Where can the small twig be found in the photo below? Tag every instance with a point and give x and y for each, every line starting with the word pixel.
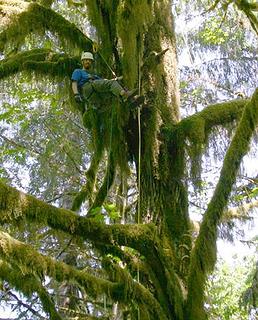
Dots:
pixel 211 7
pixel 63 250
pixel 25 305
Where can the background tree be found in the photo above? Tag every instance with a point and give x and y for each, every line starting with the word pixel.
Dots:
pixel 84 263
pixel 226 286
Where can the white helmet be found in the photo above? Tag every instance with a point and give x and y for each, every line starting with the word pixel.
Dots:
pixel 87 55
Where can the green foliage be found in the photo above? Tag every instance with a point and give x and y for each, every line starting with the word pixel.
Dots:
pixel 225 288
pixel 94 254
pixel 37 142
pixel 112 211
pixel 249 297
pixel 212 33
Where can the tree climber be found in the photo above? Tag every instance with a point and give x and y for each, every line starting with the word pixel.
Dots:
pixel 85 83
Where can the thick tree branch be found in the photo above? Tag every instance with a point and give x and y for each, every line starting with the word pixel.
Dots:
pixel 23 255
pixel 197 126
pixel 145 299
pixel 203 257
pixel 27 284
pixel 38 18
pixel 31 262
pixel 41 61
pixel 16 206
pixel 247 7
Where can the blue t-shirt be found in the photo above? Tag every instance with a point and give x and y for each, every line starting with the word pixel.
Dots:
pixel 81 76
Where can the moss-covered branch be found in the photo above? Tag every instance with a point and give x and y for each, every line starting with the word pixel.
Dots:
pixel 39 18
pixel 28 284
pixel 145 299
pixel 197 126
pixel 203 257
pixel 40 61
pixel 248 7
pixel 16 206
pixel 241 212
pixel 87 191
pixel 106 185
pixel 33 263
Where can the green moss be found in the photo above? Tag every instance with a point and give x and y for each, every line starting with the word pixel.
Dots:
pixel 106 125
pixel 38 19
pixel 195 131
pixel 103 15
pixel 131 291
pixel 203 257
pixel 133 19
pixel 31 262
pixel 40 61
pixel 28 284
pixel 14 64
pixel 87 190
pixel 15 205
pixel 106 185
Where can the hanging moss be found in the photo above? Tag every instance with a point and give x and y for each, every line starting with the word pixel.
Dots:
pixel 197 128
pixel 86 192
pixel 61 68
pixel 40 61
pixel 16 206
pixel 38 18
pixel 105 120
pixel 103 15
pixel 132 291
pixel 107 183
pixel 31 262
pixel 28 284
pixel 133 19
pixel 203 257
pixel 14 64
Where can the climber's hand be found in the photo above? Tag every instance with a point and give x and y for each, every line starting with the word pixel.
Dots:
pixel 78 98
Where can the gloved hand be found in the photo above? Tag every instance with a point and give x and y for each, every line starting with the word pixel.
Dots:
pixel 78 98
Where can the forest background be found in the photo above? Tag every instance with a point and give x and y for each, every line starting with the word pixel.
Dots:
pixel 56 266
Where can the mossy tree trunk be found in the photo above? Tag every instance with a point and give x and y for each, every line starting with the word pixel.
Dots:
pixel 137 39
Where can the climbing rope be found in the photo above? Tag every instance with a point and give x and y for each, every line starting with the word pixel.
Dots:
pixel 139 166
pixel 139 163
pixel 105 302
pixel 95 50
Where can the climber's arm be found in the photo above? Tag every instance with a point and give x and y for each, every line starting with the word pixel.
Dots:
pixel 75 87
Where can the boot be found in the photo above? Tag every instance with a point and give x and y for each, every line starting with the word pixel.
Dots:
pixel 136 101
pixel 132 99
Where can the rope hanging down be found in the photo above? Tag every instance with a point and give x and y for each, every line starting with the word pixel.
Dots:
pixel 139 168
pixel 95 50
pixel 139 145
